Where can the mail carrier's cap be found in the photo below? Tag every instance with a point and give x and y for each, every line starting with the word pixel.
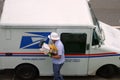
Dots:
pixel 54 36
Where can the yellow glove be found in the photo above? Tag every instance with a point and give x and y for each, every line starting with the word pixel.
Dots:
pixel 53 48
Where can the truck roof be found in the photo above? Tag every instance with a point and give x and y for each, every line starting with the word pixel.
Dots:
pixel 46 12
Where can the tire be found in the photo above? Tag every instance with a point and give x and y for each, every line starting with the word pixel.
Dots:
pixel 26 72
pixel 107 71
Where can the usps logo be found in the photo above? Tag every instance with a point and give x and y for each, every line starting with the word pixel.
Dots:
pixel 32 40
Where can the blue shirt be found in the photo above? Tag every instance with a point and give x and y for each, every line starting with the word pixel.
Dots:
pixel 60 48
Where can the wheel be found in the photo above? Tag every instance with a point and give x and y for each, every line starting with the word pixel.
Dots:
pixel 26 72
pixel 107 71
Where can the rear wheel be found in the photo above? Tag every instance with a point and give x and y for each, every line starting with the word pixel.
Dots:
pixel 26 71
pixel 107 71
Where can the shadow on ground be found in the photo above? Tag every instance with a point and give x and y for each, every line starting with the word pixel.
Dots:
pixel 9 75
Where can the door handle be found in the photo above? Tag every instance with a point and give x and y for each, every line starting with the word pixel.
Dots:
pixel 8 54
pixel 88 47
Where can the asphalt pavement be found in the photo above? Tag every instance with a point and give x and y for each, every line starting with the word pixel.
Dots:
pixel 9 75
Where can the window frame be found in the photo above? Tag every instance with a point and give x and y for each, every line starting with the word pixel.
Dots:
pixel 66 39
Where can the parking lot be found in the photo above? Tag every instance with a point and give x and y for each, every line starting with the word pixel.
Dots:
pixel 9 75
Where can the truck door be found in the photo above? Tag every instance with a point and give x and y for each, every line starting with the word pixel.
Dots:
pixel 76 52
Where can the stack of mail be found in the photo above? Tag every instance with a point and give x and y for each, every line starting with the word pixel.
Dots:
pixel 45 48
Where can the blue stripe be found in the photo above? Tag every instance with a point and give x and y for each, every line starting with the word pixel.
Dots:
pixel 42 55
pixel 108 55
pixel 77 57
pixel 24 55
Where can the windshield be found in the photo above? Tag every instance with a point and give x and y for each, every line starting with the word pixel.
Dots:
pixel 98 34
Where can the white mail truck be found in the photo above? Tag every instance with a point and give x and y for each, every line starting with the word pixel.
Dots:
pixel 91 46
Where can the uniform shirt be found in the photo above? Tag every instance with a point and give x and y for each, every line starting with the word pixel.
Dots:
pixel 60 52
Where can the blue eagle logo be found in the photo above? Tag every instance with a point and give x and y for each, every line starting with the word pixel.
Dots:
pixel 33 40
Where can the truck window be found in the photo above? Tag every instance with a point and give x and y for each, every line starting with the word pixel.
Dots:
pixel 98 35
pixel 74 43
pixel 95 38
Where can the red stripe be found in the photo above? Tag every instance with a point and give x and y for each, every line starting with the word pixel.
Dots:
pixel 92 54
pixel 22 52
pixel 73 54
